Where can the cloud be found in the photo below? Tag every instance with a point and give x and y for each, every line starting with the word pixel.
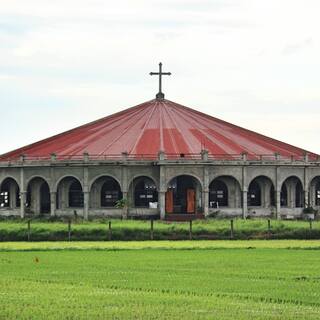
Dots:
pixel 74 61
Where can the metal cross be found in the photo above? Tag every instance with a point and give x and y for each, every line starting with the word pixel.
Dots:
pixel 160 95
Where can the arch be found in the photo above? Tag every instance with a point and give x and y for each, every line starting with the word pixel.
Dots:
pixel 63 178
pixel 10 177
pixel 314 189
pixel 184 194
pixel 96 178
pixel 261 192
pixel 317 194
pixel 144 191
pixel 292 195
pixel 284 196
pixel 38 195
pixel 105 191
pixel 9 193
pixel 135 177
pixel 35 177
pixel 69 193
pixel 75 195
pixel 218 194
pixel 229 195
pixel 198 179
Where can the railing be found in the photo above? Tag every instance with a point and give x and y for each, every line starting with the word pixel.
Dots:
pixel 203 156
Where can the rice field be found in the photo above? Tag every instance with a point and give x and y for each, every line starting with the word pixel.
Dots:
pixel 160 280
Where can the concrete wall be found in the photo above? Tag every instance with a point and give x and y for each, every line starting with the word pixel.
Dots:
pixel 236 175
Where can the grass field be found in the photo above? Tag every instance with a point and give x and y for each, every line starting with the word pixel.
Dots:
pixel 16 230
pixel 160 280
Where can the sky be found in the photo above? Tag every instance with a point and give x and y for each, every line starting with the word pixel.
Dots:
pixel 252 63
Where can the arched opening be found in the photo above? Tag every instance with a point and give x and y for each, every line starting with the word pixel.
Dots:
pixel 317 194
pixel 292 193
pixel 184 195
pixel 38 196
pixel 261 192
pixel 254 194
pixel 225 194
pixel 9 194
pixel 145 194
pixel 75 195
pixel 105 192
pixel 284 196
pixel 69 193
pixel 314 192
pixel 218 194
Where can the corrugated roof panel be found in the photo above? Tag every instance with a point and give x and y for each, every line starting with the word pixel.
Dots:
pixel 157 125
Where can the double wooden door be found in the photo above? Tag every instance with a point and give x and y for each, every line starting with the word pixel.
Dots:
pixel 190 201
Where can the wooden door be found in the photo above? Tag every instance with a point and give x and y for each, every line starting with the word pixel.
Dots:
pixel 191 199
pixel 169 201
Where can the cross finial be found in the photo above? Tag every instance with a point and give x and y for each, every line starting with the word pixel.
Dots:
pixel 160 94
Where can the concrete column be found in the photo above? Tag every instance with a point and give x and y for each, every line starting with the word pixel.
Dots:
pixel 206 202
pixel 125 211
pixel 53 199
pixel 292 193
pixel 205 197
pixel 278 203
pixel 162 204
pixel 306 198
pixel 22 204
pixel 22 194
pixel 305 184
pixel 86 200
pixel 244 193
pixel 244 204
pixel 162 193
pixel 13 196
pixel 86 191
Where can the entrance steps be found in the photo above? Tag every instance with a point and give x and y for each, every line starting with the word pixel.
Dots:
pixel 183 216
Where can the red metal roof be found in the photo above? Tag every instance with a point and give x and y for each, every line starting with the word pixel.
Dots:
pixel 153 126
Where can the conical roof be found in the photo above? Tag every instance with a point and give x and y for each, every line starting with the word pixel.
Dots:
pixel 157 125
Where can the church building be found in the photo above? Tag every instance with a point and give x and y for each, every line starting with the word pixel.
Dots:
pixel 159 159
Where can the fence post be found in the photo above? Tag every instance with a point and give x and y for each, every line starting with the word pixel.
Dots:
pixel 69 229
pixel 190 230
pixel 231 229
pixel 310 224
pixel 110 231
pixel 151 229
pixel 29 230
pixel 269 226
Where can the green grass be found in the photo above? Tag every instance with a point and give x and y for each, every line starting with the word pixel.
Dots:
pixel 16 230
pixel 160 280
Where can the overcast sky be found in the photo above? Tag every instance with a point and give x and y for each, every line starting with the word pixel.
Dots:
pixel 253 63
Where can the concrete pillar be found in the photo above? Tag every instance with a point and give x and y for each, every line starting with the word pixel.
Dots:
pixel 125 211
pixel 12 196
pixel 162 204
pixel 86 200
pixel 306 198
pixel 162 193
pixel 22 204
pixel 204 155
pixel 244 193
pixel 53 199
pixel 278 203
pixel 244 204
pixel 292 194
pixel 206 202
pixel 205 197
pixel 22 194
